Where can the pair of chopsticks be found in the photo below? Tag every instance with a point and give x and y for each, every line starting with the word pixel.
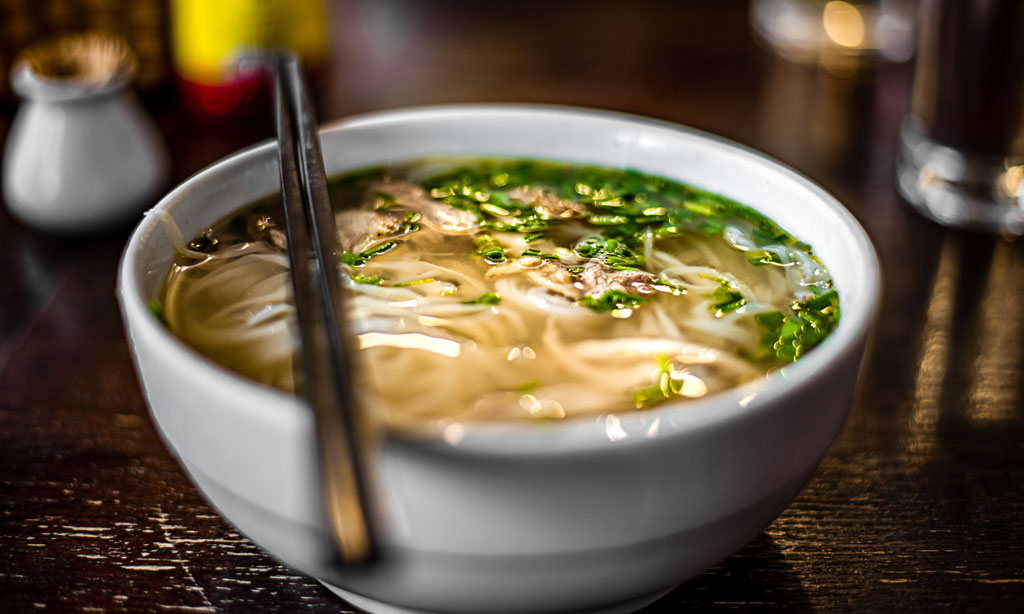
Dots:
pixel 325 378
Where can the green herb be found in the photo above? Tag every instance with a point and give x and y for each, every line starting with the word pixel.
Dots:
pixel 611 251
pixel 383 201
pixel 826 302
pixel 352 259
pixel 359 260
pixel 705 208
pixel 499 180
pixel 726 298
pixel 490 248
pixel 495 210
pixel 536 253
pixel 359 278
pixel 668 287
pixel 646 397
pixel 415 282
pixel 527 387
pixel 487 298
pixel 608 220
pixel 377 250
pixel 611 300
pixel 769 319
pixel 664 388
pixel 790 337
pixel 407 227
pixel 761 257
pixel 528 223
pixel 157 310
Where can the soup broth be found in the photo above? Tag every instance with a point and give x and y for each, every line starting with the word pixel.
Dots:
pixel 504 290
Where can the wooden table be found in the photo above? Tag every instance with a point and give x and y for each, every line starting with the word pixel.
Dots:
pixel 918 506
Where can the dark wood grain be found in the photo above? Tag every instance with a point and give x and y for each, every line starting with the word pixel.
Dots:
pixel 919 505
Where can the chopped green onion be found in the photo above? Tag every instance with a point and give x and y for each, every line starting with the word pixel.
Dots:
pixel 495 210
pixel 359 278
pixel 352 259
pixel 384 201
pixel 377 250
pixel 761 257
pixel 612 251
pixel 491 249
pixel 611 301
pixel 487 298
pixel 415 282
pixel 359 260
pixel 536 253
pixel 668 287
pixel 726 298
pixel 608 220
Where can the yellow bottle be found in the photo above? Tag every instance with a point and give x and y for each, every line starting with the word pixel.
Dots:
pixel 209 38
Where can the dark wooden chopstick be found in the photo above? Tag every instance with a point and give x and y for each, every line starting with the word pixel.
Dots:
pixel 325 378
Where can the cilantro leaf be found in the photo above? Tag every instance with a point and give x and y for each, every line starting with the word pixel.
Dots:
pixel 611 300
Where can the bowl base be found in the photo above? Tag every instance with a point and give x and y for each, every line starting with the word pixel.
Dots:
pixel 372 606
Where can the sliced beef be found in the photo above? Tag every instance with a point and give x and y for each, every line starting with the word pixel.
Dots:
pixel 551 275
pixel 598 278
pixel 437 215
pixel 359 229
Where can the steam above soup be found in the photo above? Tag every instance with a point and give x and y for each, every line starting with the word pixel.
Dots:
pixel 499 290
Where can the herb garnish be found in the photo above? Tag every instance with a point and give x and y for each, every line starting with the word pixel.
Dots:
pixel 664 388
pixel 611 301
pixel 726 298
pixel 487 298
pixel 415 282
pixel 663 285
pixel 359 278
pixel 359 260
pixel 383 201
pixel 761 257
pixel 536 253
pixel 612 251
pixel 490 248
pixel 790 337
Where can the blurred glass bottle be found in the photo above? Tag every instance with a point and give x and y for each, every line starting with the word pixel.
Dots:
pixel 209 39
pixel 962 146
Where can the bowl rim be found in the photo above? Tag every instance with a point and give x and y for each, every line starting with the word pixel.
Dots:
pixel 668 420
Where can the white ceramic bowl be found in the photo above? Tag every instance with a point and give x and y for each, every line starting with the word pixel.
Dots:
pixel 586 515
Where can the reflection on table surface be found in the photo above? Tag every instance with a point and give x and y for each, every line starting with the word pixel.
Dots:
pixel 919 505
